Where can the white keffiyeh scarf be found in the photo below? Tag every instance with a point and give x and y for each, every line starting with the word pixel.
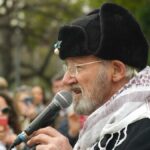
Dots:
pixel 131 103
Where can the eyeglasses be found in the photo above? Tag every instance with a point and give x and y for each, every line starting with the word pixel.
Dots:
pixel 5 110
pixel 75 68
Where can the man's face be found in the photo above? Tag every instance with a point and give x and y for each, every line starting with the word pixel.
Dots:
pixel 90 85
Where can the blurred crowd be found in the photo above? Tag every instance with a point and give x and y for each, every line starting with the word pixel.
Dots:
pixel 20 107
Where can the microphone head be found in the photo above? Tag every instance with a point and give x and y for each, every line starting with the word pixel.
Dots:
pixel 63 99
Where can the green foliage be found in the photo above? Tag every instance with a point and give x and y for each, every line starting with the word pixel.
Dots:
pixel 144 17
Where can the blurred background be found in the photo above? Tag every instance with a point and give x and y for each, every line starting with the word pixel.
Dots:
pixel 28 31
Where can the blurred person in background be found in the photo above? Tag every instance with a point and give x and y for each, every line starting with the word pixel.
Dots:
pixel 23 102
pixel 9 122
pixel 3 85
pixel 39 98
pixel 56 83
pixel 56 86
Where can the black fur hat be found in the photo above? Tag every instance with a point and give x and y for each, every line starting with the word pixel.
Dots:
pixel 110 33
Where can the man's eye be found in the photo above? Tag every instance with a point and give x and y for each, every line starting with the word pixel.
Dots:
pixel 79 68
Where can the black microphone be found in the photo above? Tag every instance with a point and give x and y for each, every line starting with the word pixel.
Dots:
pixel 61 100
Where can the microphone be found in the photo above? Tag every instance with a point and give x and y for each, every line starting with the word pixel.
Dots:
pixel 61 100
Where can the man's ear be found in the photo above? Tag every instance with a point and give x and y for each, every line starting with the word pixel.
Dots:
pixel 119 70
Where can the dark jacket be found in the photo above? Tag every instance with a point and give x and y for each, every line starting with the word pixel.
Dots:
pixel 137 137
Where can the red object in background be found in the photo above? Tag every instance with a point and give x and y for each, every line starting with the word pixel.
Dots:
pixel 4 122
pixel 82 119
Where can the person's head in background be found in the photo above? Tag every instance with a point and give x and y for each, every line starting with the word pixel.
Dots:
pixel 23 102
pixel 3 84
pixel 57 83
pixel 38 94
pixel 103 51
pixel 8 111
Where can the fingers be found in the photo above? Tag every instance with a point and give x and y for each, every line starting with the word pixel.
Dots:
pixel 48 131
pixel 49 139
pixel 47 147
pixel 39 139
pixel 43 136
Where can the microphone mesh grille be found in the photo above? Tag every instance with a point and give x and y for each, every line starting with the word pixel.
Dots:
pixel 63 99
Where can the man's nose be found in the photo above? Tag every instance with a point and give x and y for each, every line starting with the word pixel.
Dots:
pixel 68 79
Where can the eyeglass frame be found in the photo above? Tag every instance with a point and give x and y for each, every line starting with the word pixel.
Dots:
pixel 74 67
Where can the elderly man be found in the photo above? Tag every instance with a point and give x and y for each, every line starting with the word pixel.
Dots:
pixel 106 56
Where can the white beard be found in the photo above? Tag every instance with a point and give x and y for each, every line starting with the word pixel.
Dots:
pixel 93 97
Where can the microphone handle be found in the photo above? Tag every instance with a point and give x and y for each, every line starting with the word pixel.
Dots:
pixel 43 119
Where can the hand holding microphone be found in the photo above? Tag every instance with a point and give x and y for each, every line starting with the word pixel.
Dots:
pixel 61 100
pixel 48 139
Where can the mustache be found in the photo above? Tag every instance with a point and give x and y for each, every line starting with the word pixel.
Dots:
pixel 75 87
